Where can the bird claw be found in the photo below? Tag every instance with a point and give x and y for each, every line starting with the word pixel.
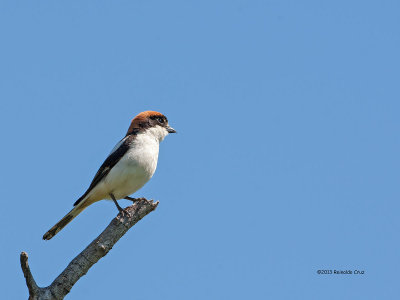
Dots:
pixel 125 213
pixel 134 199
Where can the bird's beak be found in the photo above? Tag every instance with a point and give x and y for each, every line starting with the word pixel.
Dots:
pixel 171 130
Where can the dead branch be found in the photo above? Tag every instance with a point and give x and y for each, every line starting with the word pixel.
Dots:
pixel 79 266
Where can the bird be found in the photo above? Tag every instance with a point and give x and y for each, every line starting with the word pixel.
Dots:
pixel 129 166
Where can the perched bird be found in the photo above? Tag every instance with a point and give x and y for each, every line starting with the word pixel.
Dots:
pixel 129 166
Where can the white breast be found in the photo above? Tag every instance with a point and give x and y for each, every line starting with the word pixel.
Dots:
pixel 134 169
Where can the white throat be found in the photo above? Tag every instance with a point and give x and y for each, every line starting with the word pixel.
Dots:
pixel 157 132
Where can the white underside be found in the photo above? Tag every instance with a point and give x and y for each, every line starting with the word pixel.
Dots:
pixel 134 169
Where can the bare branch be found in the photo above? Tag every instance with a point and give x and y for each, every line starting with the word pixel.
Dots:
pixel 79 266
pixel 30 282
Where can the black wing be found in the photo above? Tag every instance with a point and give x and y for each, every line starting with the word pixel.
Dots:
pixel 108 164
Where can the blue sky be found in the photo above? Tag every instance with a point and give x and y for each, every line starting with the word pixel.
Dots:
pixel 286 159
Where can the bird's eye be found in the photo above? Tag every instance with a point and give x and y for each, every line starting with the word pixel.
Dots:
pixel 161 120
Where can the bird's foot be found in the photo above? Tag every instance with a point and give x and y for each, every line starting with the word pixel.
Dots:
pixel 125 213
pixel 121 210
pixel 134 199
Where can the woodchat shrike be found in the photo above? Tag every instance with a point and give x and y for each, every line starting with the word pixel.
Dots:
pixel 129 166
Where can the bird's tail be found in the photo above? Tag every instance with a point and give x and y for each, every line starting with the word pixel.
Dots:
pixel 64 221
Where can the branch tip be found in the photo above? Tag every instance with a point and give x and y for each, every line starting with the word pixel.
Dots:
pixel 30 281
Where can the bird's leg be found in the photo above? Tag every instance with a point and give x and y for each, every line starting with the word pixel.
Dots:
pixel 133 199
pixel 121 210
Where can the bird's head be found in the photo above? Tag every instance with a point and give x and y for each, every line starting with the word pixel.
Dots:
pixel 151 122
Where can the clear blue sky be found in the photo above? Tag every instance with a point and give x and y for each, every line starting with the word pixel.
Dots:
pixel 286 159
